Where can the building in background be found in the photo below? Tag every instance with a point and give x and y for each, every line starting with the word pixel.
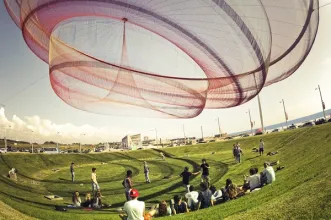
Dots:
pixel 132 142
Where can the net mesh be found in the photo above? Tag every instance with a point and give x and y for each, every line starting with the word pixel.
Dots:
pixel 169 58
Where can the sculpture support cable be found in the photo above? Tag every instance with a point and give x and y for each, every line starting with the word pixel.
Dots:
pixel 161 58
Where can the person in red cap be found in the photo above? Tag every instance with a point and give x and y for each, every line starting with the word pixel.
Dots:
pixel 135 210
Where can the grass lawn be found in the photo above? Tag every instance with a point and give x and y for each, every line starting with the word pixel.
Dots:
pixel 301 191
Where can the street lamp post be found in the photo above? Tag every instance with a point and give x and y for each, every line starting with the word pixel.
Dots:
pixel 32 143
pixel 250 120
pixel 184 133
pixel 323 105
pixel 286 117
pixel 80 145
pixel 219 126
pixel 6 137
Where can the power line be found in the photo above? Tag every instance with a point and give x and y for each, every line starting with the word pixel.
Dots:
pixel 22 90
pixel 324 5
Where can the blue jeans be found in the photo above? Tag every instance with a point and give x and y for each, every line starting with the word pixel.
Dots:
pixel 73 176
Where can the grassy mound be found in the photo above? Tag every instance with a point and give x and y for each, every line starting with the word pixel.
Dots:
pixel 301 191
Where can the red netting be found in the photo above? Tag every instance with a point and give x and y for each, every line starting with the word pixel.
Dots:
pixel 165 58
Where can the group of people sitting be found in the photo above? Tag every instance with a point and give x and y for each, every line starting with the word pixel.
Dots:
pixel 89 201
pixel 194 200
pixel 12 174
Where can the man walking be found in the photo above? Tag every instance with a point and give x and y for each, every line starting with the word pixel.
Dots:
pixel 146 171
pixel 205 172
pixel 72 171
pixel 186 178
pixel 261 148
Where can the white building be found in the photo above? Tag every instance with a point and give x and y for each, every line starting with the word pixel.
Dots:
pixel 132 142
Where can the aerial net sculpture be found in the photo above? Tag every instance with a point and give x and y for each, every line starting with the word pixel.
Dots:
pixel 165 58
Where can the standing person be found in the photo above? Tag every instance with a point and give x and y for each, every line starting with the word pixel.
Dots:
pixel 162 155
pixel 186 178
pixel 261 148
pixel 72 171
pixel 128 184
pixel 233 151
pixel 95 185
pixel 238 152
pixel 134 209
pixel 146 171
pixel 205 172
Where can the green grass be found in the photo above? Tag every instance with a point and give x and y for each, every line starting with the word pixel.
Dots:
pixel 301 191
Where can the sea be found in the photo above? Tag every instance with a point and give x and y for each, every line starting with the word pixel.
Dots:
pixel 297 121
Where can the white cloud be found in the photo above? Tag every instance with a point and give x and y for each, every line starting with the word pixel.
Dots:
pixel 36 129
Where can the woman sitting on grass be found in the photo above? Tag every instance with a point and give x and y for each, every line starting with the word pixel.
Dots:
pixel 179 205
pixel 76 199
pixel 231 189
pixel 97 202
pixel 161 210
pixel 88 201
pixel 217 195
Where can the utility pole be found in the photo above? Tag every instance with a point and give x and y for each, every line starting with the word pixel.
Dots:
pixel 323 104
pixel 286 117
pixel 219 126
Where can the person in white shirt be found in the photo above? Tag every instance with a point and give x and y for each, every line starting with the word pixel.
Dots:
pixel 95 185
pixel 134 209
pixel 217 196
pixel 268 174
pixel 192 198
pixel 261 147
pixel 253 180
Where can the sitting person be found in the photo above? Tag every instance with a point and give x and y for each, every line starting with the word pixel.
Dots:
pixel 133 208
pixel 88 201
pixel 253 181
pixel 192 198
pixel 162 209
pixel 205 197
pixel 12 174
pixel 231 189
pixel 217 195
pixel 97 201
pixel 76 199
pixel 268 174
pixel 179 205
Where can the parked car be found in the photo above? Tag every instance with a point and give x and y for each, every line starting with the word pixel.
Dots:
pixel 228 138
pixel 258 133
pixel 329 120
pixel 308 124
pixel 292 127
pixel 3 150
pixel 275 130
pixel 245 135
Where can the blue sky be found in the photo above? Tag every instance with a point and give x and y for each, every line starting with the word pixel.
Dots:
pixel 39 109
